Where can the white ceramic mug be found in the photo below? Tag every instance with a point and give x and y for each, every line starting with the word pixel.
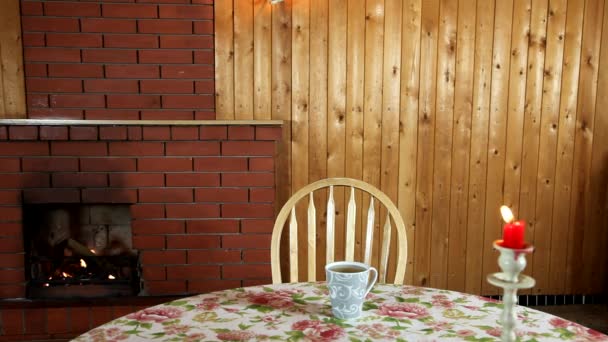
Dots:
pixel 348 283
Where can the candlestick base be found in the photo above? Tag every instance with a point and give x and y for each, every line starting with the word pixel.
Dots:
pixel 512 262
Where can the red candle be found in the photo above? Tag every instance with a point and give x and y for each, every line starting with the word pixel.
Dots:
pixel 513 231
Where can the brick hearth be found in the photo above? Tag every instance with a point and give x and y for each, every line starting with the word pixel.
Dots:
pixel 201 199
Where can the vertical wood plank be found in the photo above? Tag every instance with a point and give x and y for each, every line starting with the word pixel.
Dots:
pixel 243 60
pixel 262 23
pixel 355 69
pixel 3 110
pixel 545 186
pixel 599 166
pixel 583 148
pixel 559 271
pixel 389 172
pixel 446 61
pixel 517 99
pixel 463 101
pixel 317 122
pixel 372 139
pixel 336 109
pixel 497 136
pixel 281 93
pixel 12 85
pixel 224 60
pixel 408 124
pixel 565 145
pixel 583 142
pixel 426 142
pixel 479 145
pixel 531 132
pixel 300 40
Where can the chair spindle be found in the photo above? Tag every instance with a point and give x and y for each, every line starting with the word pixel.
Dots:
pixel 331 219
pixel 293 246
pixel 312 240
pixel 386 243
pixel 350 226
pixel 369 231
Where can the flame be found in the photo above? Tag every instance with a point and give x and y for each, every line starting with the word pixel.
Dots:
pixel 506 213
pixel 46 285
pixel 93 251
pixel 83 264
pixel 66 275
pixel 111 277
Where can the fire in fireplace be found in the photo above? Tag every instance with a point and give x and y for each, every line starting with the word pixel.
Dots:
pixel 79 251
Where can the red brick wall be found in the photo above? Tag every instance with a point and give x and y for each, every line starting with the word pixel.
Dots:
pixel 201 203
pixel 119 59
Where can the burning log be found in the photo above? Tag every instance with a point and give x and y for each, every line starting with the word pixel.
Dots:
pixel 79 248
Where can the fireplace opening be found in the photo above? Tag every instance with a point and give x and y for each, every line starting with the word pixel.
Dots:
pixel 79 251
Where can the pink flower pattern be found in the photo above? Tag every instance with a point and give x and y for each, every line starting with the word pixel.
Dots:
pixel 317 331
pixel 236 335
pixel 302 312
pixel 156 314
pixel 277 299
pixel 403 310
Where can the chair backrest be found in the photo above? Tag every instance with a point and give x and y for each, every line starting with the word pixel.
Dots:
pixel 289 210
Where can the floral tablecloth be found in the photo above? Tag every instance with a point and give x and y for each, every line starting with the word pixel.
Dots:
pixel 301 312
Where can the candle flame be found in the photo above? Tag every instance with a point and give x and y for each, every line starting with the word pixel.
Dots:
pixel 93 251
pixel 83 264
pixel 506 213
pixel 111 277
pixel 66 275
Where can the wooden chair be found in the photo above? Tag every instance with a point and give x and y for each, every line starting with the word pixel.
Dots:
pixel 289 209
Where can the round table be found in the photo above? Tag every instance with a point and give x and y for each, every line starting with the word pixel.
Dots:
pixel 301 312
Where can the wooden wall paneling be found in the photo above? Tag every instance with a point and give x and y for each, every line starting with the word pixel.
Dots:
pixel 599 166
pixel 299 120
pixel 408 125
pixel 262 25
pixel 355 70
pixel 12 85
pixel 281 94
pixel 243 57
pixel 336 111
pixel 389 169
pixel 426 136
pixel 545 187
pixel 372 126
pixel 531 132
pixel 224 60
pixel 444 122
pixel 520 127
pixel 583 148
pixel 518 71
pixel 461 147
pixel 480 117
pixel 559 269
pixel 317 122
pixel 497 139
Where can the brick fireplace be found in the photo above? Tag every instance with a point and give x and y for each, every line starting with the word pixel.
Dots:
pixel 200 196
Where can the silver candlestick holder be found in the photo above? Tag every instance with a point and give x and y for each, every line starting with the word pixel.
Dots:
pixel 512 262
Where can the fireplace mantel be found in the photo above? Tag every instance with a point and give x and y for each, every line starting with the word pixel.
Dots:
pixel 63 122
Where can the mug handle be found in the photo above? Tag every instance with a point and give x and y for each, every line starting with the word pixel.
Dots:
pixel 371 283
